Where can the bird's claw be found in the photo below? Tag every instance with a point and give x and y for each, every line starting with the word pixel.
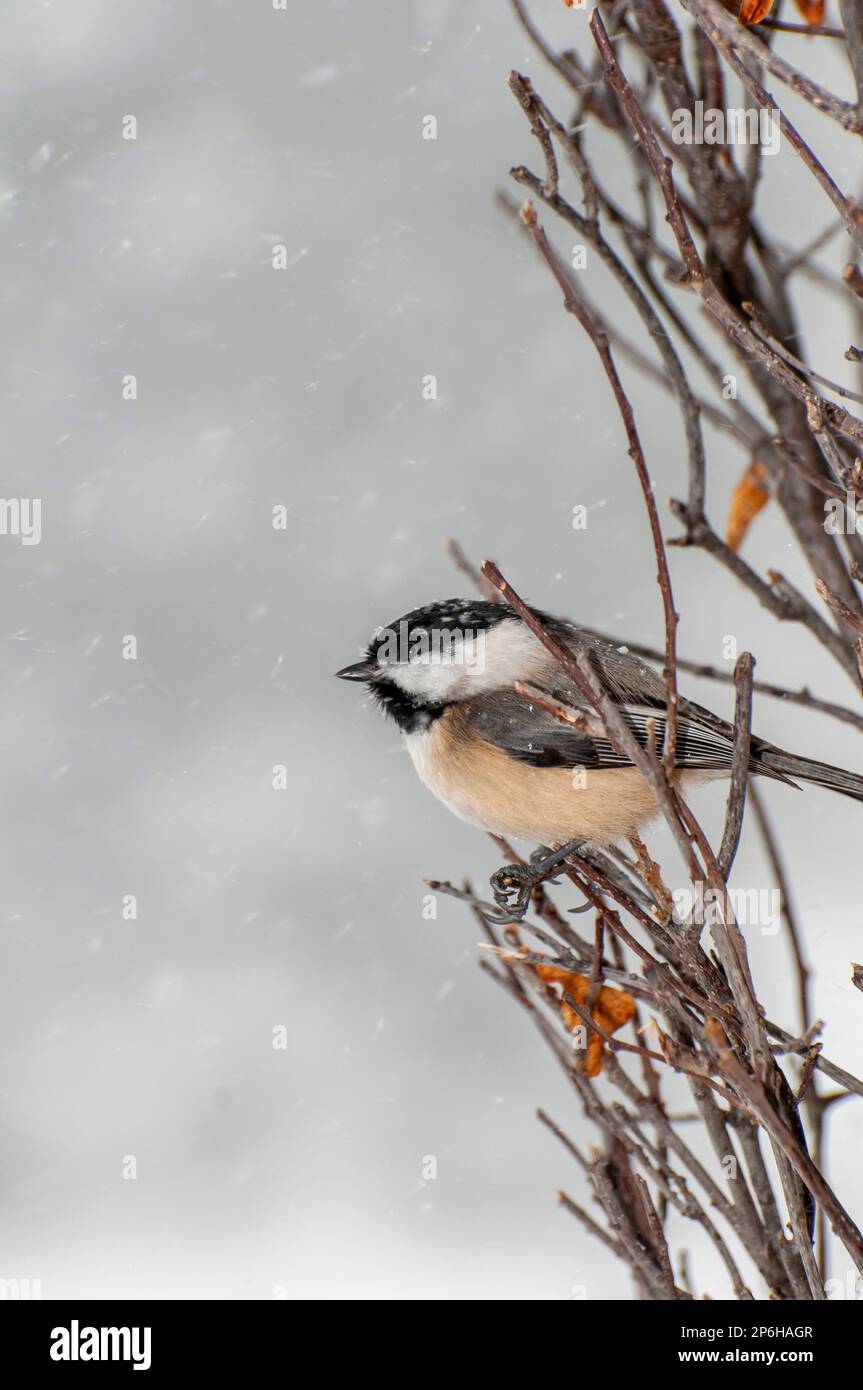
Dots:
pixel 512 886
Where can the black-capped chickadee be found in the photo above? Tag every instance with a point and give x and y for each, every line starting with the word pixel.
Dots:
pixel 446 674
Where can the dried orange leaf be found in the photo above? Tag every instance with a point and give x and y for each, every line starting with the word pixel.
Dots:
pixel 615 1005
pixel 576 985
pixel 593 1060
pixel 812 10
pixel 747 499
pixel 753 11
pixel 614 1008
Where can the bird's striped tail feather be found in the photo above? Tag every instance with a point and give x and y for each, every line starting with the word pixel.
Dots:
pixel 836 779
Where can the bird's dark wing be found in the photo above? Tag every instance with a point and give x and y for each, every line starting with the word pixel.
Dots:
pixel 534 736
pixel 531 735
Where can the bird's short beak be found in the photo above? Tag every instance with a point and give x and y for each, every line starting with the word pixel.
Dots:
pixel 360 671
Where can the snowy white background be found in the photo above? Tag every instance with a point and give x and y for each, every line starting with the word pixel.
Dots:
pixel 299 1171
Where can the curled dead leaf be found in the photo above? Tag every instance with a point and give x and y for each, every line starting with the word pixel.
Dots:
pixel 747 500
pixel 812 10
pixel 614 1008
pixel 753 11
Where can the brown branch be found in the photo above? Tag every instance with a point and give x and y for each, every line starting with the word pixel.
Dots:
pixel 852 25
pixel 726 32
pixel 696 274
pixel 820 1189
pixel 600 342
pixel 771 847
pixel 695 989
pixel 803 697
pixel 740 763
pixel 579 670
